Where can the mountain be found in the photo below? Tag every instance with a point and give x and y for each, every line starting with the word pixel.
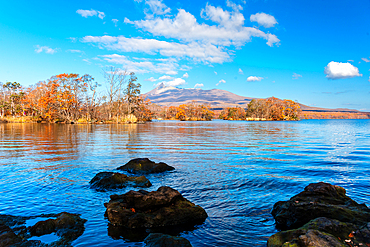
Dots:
pixel 218 99
pixel 172 96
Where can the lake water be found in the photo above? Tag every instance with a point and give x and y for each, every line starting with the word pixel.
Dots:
pixel 235 170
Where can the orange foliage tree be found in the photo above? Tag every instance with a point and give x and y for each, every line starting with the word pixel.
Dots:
pixel 192 111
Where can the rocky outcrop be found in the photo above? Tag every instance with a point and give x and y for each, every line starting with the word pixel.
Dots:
pixel 8 237
pixel 114 180
pixel 67 226
pixel 160 240
pixel 319 200
pixel 323 216
pixel 13 231
pixel 143 209
pixel 145 165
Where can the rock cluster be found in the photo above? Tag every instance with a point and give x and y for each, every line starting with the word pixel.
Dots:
pixel 67 226
pixel 321 215
pixel 145 165
pixel 115 180
pixel 13 232
pixel 143 209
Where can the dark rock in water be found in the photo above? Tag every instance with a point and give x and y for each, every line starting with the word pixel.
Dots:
pixel 318 232
pixel 145 165
pixel 114 180
pixel 8 237
pixel 139 234
pixel 67 226
pixel 323 232
pixel 13 231
pixel 325 217
pixel 160 240
pixel 319 200
pixel 143 209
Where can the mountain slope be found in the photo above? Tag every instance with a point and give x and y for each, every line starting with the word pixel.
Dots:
pixel 218 99
pixel 172 96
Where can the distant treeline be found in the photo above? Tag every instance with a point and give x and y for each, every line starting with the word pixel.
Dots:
pixel 74 98
pixel 185 112
pixel 264 109
pixel 334 115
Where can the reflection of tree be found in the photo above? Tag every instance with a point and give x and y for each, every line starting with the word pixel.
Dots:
pixel 127 135
pixel 44 142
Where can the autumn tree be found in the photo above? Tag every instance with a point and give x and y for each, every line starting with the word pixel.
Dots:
pixel 233 113
pixel 273 109
pixel 141 110
pixel 132 92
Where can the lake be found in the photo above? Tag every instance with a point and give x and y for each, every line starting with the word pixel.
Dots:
pixel 235 170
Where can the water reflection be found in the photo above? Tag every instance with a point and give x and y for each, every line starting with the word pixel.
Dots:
pixel 235 170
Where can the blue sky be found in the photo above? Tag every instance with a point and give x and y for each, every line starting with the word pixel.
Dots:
pixel 315 52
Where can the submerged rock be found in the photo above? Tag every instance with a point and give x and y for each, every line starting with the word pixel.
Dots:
pixel 114 180
pixel 319 200
pixel 143 209
pixel 160 240
pixel 324 216
pixel 145 165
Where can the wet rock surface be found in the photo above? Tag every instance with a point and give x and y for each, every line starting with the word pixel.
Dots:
pixel 13 231
pixel 323 216
pixel 161 208
pixel 114 180
pixel 160 240
pixel 319 200
pixel 8 237
pixel 145 165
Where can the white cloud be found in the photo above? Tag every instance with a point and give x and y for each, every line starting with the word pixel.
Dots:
pixel 175 82
pixel 335 70
pixel 235 7
pixel 254 78
pixel 199 85
pixel 88 13
pixel 186 75
pixel 263 19
pixel 127 21
pixel 221 81
pixel 45 49
pixel 366 60
pixel 157 7
pixel 171 72
pixel 166 77
pixel 195 51
pixel 150 79
pixel 184 26
pixel 75 51
pixel 215 72
pixel 115 21
pixel 222 17
pixel 190 39
pixel 142 66
pixel 296 76
pixel 101 15
pixel 241 71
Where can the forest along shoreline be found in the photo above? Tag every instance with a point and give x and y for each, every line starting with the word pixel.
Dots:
pixel 71 98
